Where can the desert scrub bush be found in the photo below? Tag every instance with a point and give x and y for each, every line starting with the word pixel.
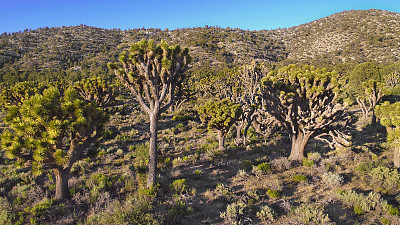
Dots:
pixel 141 155
pixel 363 204
pixel 299 178
pixel 178 210
pixel 266 214
pixel 40 209
pixel 198 173
pixel 183 161
pixel 314 156
pixel 134 209
pixel 179 186
pixel 220 192
pixel 246 164
pixel 273 193
pixel 384 180
pixel 280 164
pixel 272 181
pixel 308 213
pixel 6 214
pixel 332 179
pixel 234 213
pixel 261 169
pixel 307 162
pixel 81 167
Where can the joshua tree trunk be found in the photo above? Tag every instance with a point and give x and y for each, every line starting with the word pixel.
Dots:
pixel 62 177
pixel 396 155
pixel 246 128
pixel 221 137
pixel 239 126
pixel 153 150
pixel 299 142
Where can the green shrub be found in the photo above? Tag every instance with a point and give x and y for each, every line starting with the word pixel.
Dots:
pixel 246 164
pixel 314 156
pixel 141 154
pixel 41 208
pixel 177 211
pixel 198 172
pixel 308 213
pixel 332 179
pixel 6 215
pixel 149 192
pixel 179 186
pixel 264 167
pixel 361 203
pixel 134 210
pixel 273 193
pixel 234 213
pixel 299 178
pixel 384 180
pixel 307 162
pixel 266 214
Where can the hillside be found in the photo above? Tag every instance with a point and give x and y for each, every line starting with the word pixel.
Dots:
pixel 248 179
pixel 346 37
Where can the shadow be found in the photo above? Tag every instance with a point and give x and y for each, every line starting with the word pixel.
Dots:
pixel 369 138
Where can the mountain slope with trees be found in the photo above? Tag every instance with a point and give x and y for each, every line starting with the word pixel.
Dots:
pixel 82 51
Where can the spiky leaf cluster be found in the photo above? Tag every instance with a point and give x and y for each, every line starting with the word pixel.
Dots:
pixel 389 116
pixel 14 95
pixel 304 99
pixel 152 71
pixel 220 115
pixel 98 90
pixel 51 129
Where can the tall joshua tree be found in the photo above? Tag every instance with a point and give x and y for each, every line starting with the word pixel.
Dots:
pixel 220 115
pixel 305 101
pixel 151 72
pixel 52 130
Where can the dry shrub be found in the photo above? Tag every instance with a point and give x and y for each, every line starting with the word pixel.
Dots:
pixel 280 164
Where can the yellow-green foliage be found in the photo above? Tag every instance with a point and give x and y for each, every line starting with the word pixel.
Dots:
pixel 291 81
pixel 389 116
pixel 96 89
pixel 220 115
pixel 43 126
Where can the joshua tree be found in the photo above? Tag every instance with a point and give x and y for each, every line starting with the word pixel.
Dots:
pixel 389 116
pixel 101 91
pixel 247 96
pixel 305 101
pixel 52 130
pixel 374 91
pixel 241 86
pixel 14 95
pixel 151 72
pixel 220 115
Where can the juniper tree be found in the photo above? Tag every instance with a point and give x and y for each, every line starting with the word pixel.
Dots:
pixel 389 116
pixel 305 101
pixel 151 72
pixel 52 130
pixel 220 115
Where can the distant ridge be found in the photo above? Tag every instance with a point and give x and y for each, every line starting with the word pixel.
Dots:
pixel 346 37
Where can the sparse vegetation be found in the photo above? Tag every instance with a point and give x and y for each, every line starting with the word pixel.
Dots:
pixel 261 173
